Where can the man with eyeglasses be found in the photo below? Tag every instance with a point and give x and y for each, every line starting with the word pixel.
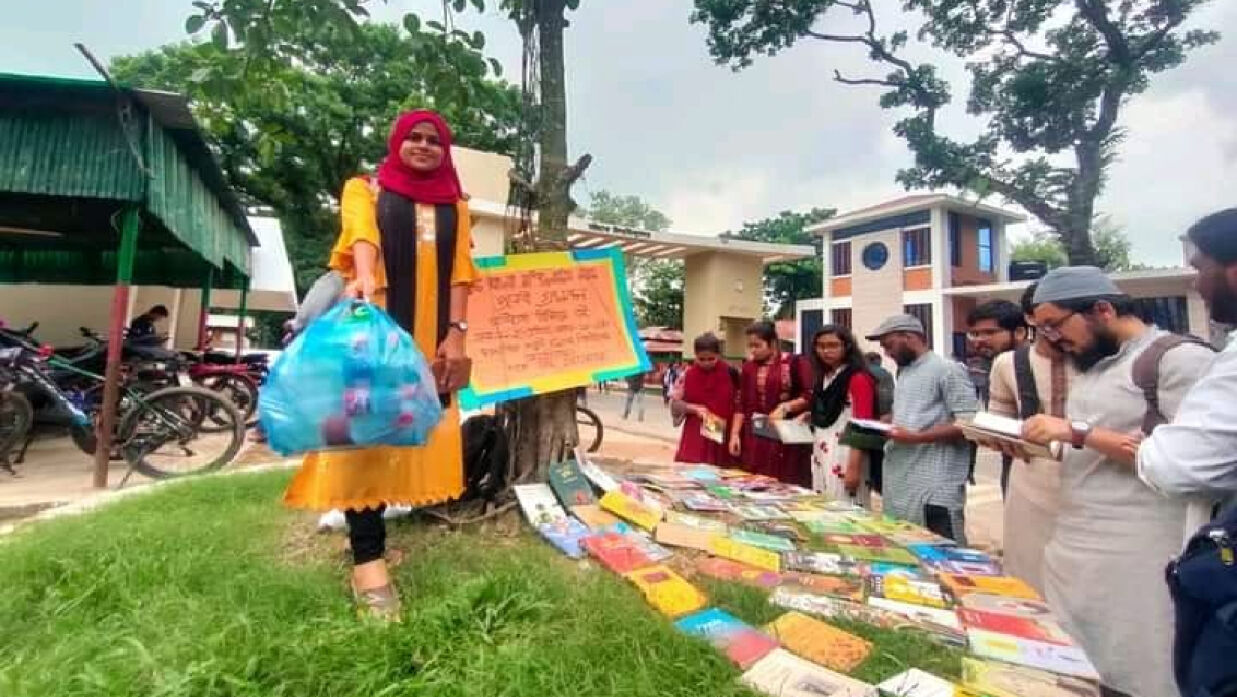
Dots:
pixel 995 328
pixel 1104 566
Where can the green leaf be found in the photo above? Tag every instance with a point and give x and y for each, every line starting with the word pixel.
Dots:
pixel 436 26
pixel 194 24
pixel 496 67
pixel 459 5
pixel 412 23
pixel 478 40
pixel 219 35
pixel 479 4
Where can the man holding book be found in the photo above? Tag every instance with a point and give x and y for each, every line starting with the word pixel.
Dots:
pixel 927 460
pixel 1029 379
pixel 1104 566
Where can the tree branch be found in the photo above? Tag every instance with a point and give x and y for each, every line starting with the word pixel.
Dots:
pixel 1011 38
pixel 574 172
pixel 837 76
pixel 1097 14
pixel 1028 200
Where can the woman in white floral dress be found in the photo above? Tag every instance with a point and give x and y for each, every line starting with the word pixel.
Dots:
pixel 843 389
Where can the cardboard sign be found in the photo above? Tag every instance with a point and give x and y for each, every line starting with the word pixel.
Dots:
pixel 548 322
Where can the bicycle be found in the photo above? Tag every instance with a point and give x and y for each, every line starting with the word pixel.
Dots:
pixel 154 429
pixel 16 417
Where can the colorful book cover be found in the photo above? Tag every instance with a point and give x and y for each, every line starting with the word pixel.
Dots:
pixel 538 503
pixel 597 519
pixel 844 587
pixel 1042 655
pixel 783 674
pixel 785 530
pixel 808 508
pixel 907 590
pixel 874 541
pixel 743 644
pixel 618 553
pixel 917 536
pixel 821 563
pixel 887 526
pixel 713 428
pixel 919 613
pixel 727 570
pixel 702 473
pixel 699 522
pixel 599 477
pixel 882 568
pixel 673 481
pixel 917 683
pixel 824 526
pixel 1043 629
pixel 965 568
pixel 1004 605
pixel 630 509
pixel 992 585
pixel 1000 680
pixel 759 512
pixel 892 555
pixel 838 609
pixel 819 642
pixel 930 552
pixel 669 593
pixel 746 554
pixel 567 534
pixel 772 543
pixel 676 535
pixel 649 548
pixel 722 491
pixel 569 483
pixel 704 503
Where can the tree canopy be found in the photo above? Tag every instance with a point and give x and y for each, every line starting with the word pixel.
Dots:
pixel 1048 77
pixel 787 282
pixel 626 211
pixel 1112 248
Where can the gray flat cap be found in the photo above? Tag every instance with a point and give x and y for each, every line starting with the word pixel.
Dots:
pixel 895 324
pixel 1074 283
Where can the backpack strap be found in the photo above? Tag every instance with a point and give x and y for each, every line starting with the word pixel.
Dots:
pixel 1146 376
pixel 1028 392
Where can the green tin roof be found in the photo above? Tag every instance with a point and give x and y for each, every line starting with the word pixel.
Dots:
pixel 67 169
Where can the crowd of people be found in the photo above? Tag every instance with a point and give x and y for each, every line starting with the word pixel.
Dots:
pixel 1141 423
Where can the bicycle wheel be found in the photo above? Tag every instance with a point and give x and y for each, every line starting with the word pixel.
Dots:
pixel 16 416
pixel 240 391
pixel 162 435
pixel 590 428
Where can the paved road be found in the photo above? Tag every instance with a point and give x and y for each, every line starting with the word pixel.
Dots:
pixel 651 438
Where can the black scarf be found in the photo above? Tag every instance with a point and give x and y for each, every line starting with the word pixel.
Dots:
pixel 397 226
pixel 828 402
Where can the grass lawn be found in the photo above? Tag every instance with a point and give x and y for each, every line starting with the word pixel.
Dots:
pixel 212 588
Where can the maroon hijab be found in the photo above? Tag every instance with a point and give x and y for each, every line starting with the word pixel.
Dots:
pixel 442 186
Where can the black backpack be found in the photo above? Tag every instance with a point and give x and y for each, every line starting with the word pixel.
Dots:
pixel 486 456
pixel 1203 583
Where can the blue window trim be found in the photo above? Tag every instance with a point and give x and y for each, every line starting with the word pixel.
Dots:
pixel 893 222
pixel 985 226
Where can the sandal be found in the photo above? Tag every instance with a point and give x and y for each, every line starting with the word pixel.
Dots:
pixel 381 603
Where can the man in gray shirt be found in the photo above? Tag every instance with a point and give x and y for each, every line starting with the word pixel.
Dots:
pixel 1104 565
pixel 926 459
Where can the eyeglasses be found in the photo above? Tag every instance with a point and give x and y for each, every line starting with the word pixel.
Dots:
pixel 1052 330
pixel 977 334
pixel 419 138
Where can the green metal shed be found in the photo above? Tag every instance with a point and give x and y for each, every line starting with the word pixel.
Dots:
pixel 107 186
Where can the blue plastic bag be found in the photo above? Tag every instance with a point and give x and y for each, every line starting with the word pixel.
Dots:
pixel 352 379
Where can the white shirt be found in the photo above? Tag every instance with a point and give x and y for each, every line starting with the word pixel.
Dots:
pixel 1196 454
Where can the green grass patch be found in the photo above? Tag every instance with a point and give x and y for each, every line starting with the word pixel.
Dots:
pixel 212 588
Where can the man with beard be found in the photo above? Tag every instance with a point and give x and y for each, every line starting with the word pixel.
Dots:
pixel 926 457
pixel 995 328
pixel 1104 566
pixel 1196 455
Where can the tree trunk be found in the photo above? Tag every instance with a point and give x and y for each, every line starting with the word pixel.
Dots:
pixel 543 429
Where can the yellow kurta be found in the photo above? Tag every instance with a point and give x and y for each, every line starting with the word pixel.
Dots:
pixel 358 479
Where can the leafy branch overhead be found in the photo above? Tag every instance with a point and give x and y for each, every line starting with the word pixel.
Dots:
pixel 1049 77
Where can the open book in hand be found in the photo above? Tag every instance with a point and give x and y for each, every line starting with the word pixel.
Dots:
pixel 988 428
pixel 791 432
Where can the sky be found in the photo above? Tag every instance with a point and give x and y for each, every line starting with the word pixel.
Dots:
pixel 713 148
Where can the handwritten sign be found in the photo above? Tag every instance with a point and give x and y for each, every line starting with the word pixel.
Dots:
pixel 543 323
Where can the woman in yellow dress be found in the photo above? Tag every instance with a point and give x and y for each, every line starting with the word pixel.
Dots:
pixel 405 243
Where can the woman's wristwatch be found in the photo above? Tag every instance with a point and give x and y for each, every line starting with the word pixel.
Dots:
pixel 461 326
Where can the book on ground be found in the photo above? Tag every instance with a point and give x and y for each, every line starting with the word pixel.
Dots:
pixel 907 590
pixel 991 585
pixel 618 553
pixel 702 473
pixel 1000 680
pixel 884 568
pixel 837 609
pixel 965 568
pixel 1005 605
pixel 599 477
pixel 931 552
pixel 666 591
pixel 786 530
pixel 759 512
pixel 597 519
pixel 746 554
pixel 699 522
pixel 678 535
pixel 728 570
pixel 819 642
pixel 567 534
pixel 538 503
pixel 859 540
pixel 630 509
pixel 1043 629
pixel 821 563
pixel 919 613
pixel 704 503
pixel 892 555
pixel 649 548
pixel 772 543
pixel 1043 655
pixel 783 674
pixel 743 644
pixel 844 587
pixel 569 483
pixel 917 683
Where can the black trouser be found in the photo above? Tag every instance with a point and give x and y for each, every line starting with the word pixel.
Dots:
pixel 939 520
pixel 1106 691
pixel 876 464
pixel 368 534
pixel 1007 464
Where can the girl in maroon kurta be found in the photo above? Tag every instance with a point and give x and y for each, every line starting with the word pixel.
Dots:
pixel 708 390
pixel 772 383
